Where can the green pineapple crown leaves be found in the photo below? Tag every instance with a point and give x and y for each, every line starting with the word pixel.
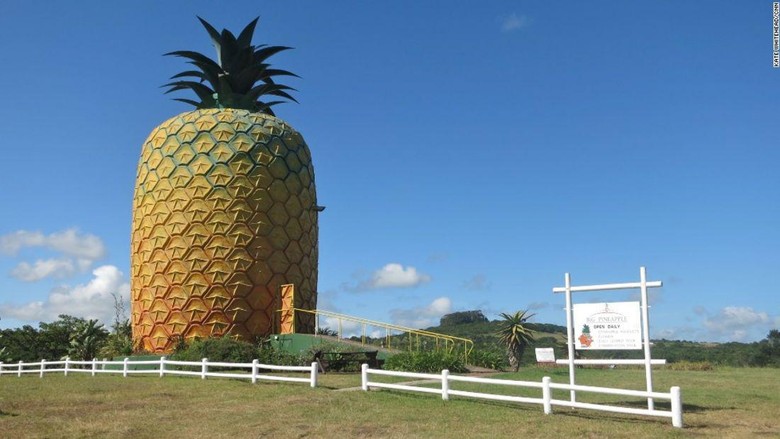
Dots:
pixel 585 329
pixel 230 81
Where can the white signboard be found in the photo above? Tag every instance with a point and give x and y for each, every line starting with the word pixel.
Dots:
pixel 601 326
pixel 545 355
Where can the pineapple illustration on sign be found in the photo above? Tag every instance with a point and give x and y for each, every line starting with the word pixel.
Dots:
pixel 225 206
pixel 585 338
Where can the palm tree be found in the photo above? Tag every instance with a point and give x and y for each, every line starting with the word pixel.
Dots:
pixel 87 339
pixel 515 336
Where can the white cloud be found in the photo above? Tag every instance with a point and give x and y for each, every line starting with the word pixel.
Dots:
pixel 68 242
pixel 57 268
pixel 84 246
pixel 731 323
pixel 737 317
pixel 513 22
pixel 666 333
pixel 392 275
pixel 80 251
pixel 736 323
pixel 396 276
pixel 348 328
pixel 32 311
pixel 13 242
pixel 422 317
pixel 687 333
pixel 93 300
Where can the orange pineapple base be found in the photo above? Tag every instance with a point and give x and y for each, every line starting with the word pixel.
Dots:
pixel 223 215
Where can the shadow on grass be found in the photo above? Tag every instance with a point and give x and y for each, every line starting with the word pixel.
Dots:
pixel 591 415
pixel 572 412
pixel 667 406
pixel 462 400
pixel 5 413
pixel 331 387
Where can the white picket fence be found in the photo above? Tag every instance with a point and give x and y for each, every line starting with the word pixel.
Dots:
pixel 546 386
pixel 99 366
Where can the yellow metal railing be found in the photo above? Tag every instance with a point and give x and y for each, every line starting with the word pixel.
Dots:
pixel 449 343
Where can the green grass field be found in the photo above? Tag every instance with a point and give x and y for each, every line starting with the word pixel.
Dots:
pixel 726 402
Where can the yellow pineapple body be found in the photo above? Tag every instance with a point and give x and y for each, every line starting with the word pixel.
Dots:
pixel 224 213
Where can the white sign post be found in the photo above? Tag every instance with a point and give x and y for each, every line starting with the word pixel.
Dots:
pixel 615 323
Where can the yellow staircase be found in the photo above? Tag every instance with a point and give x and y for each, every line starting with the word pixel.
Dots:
pixel 395 336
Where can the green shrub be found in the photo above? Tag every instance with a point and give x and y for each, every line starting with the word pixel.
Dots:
pixel 425 362
pixel 327 331
pixel 489 359
pixel 117 345
pixel 228 350
pixel 331 347
pixel 120 340
pixel 268 354
pixel 222 349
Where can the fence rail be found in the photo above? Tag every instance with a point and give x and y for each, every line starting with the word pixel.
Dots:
pixel 99 366
pixel 546 386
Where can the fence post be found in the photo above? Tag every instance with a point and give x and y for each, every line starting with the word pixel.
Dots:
pixel 204 368
pixel 124 367
pixel 364 376
pixel 94 366
pixel 103 365
pixel 546 395
pixel 445 384
pixel 314 374
pixel 43 367
pixel 19 374
pixel 254 371
pixel 1 367
pixel 67 360
pixel 162 366
pixel 677 418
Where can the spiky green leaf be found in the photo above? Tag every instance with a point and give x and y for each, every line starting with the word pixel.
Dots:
pixel 235 75
pixel 245 37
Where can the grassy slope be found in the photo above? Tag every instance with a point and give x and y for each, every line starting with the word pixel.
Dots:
pixel 483 334
pixel 548 335
pixel 723 403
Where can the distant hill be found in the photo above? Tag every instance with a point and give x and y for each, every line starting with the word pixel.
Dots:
pixel 475 326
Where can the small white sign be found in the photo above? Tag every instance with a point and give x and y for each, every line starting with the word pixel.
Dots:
pixel 545 355
pixel 602 326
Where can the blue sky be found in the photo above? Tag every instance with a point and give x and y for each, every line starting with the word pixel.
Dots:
pixel 468 154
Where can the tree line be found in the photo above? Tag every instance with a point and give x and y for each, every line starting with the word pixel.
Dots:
pixel 506 342
pixel 68 336
pixel 487 339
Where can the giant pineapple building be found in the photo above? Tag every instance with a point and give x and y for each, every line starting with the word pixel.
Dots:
pixel 225 206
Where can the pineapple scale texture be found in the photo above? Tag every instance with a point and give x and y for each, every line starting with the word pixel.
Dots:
pixel 224 213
